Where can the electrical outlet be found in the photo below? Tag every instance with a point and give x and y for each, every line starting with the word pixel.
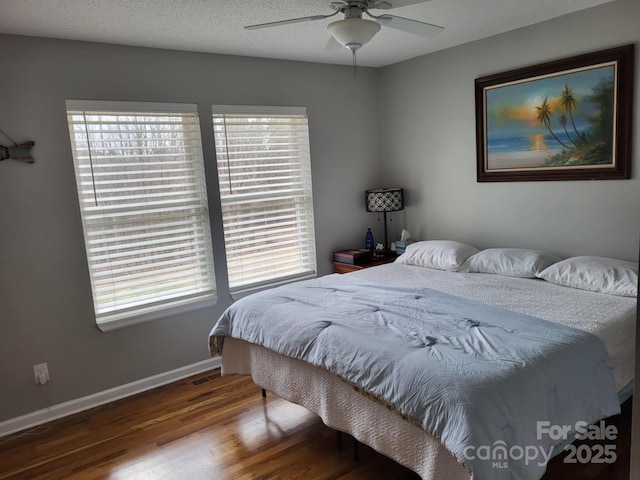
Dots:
pixel 41 373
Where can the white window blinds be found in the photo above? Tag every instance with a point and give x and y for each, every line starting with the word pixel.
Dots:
pixel 264 172
pixel 141 186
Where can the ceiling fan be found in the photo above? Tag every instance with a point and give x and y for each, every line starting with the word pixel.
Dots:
pixel 354 31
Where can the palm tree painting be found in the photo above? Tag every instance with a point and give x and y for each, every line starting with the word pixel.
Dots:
pixel 566 119
pixel 557 120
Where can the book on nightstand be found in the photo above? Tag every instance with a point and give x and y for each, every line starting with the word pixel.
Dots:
pixel 352 257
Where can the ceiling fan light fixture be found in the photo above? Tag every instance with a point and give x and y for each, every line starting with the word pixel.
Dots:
pixel 353 33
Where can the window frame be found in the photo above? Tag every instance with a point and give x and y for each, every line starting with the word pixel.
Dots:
pixel 204 294
pixel 253 111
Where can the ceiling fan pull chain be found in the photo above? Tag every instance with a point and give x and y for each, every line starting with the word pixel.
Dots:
pixel 355 65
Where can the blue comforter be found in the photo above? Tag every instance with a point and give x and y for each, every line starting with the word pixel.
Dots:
pixel 478 378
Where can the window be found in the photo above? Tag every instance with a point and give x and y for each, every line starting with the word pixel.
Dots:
pixel 264 171
pixel 143 201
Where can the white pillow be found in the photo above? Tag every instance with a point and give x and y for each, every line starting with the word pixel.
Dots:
pixel 511 262
pixel 598 274
pixel 439 254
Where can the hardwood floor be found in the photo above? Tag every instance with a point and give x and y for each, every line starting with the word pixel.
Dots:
pixel 212 427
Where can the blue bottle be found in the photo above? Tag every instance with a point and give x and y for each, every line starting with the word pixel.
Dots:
pixel 368 243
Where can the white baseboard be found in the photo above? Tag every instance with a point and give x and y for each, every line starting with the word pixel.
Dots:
pixel 60 410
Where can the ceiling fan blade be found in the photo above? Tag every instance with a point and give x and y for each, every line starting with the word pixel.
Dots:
pixel 416 27
pixel 388 4
pixel 287 22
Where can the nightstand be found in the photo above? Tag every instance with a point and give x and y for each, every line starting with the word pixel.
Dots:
pixel 339 267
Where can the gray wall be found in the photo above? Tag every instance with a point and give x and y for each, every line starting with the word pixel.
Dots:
pixel 635 427
pixel 428 146
pixel 45 301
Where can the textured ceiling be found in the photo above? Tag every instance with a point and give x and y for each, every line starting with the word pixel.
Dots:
pixel 216 26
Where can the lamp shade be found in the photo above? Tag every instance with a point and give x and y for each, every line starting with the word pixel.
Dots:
pixel 384 200
pixel 353 32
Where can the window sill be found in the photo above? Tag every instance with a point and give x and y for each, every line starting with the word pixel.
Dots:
pixel 156 312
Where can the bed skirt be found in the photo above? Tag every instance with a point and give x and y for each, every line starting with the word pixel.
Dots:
pixel 342 408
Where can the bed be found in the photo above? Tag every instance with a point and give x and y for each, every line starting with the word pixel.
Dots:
pixel 503 288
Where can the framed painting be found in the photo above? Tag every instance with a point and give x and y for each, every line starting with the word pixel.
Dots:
pixel 568 119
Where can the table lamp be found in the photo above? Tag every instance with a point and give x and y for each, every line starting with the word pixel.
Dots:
pixel 384 200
